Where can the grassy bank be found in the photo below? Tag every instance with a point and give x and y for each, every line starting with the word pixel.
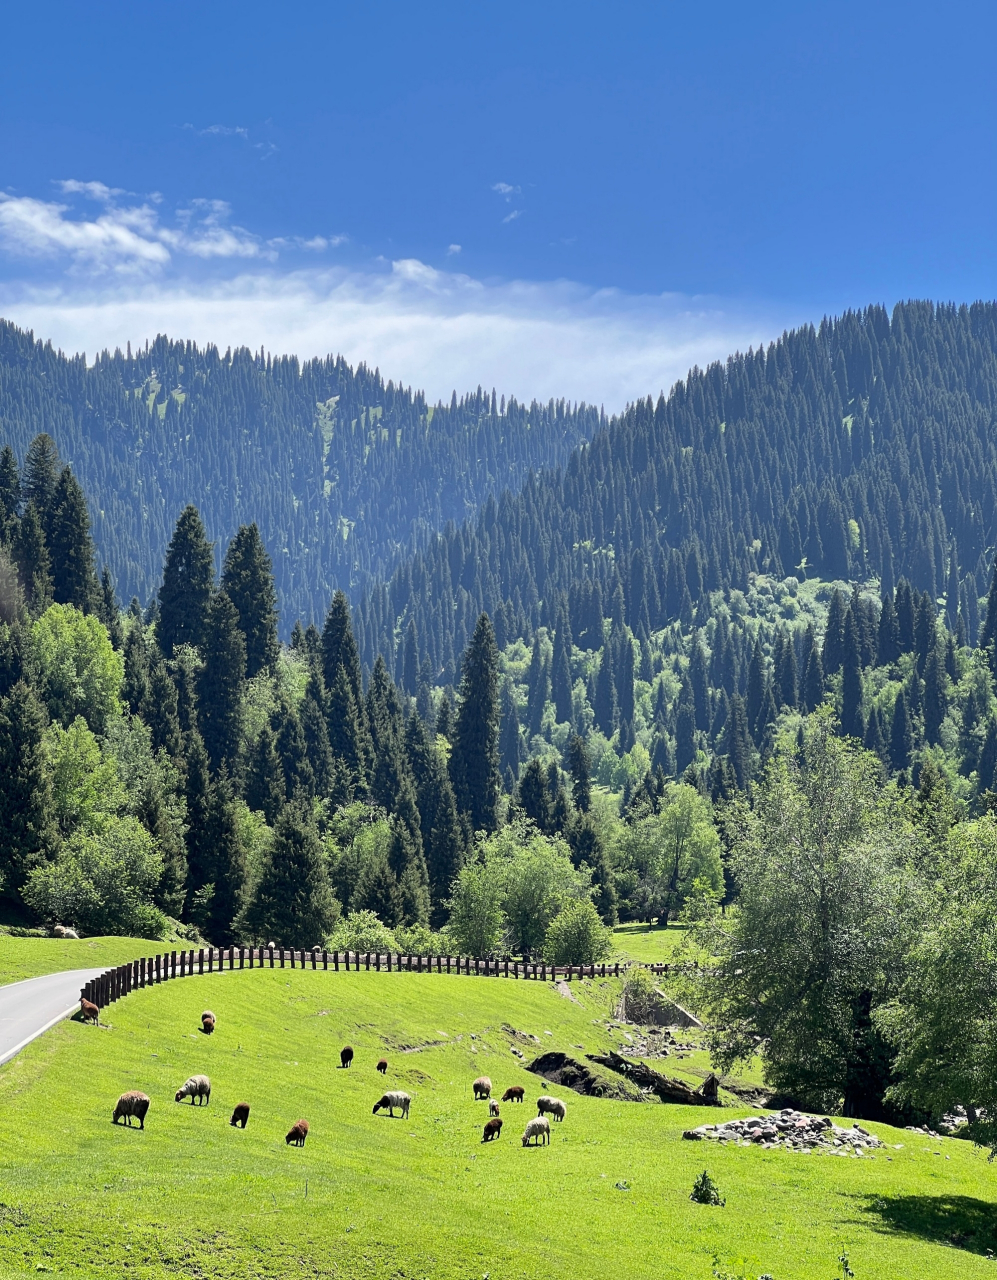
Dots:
pixel 370 1196
pixel 32 957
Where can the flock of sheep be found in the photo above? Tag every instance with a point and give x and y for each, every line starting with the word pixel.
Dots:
pixel 135 1105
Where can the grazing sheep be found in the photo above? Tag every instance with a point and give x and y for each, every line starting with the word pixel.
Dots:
pixel 514 1093
pixel 553 1105
pixel 493 1107
pixel 240 1116
pixel 207 1022
pixel 482 1088
pixel 131 1104
pixel 346 1056
pixel 198 1087
pixel 90 1012
pixel 492 1129
pixel 298 1134
pixel 538 1127
pixel 391 1100
pixel 382 1065
pixel 61 931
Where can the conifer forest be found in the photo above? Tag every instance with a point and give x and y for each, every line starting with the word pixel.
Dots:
pixel 288 653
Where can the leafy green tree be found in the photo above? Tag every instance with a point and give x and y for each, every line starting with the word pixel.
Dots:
pixel 80 671
pixel 671 849
pixel 87 791
pixel 538 879
pixel 363 932
pixel 101 882
pixel 477 918
pixel 819 864
pixel 220 695
pixel 247 577
pixel 74 575
pixel 588 850
pixel 26 829
pixel 188 581
pixel 474 761
pixel 577 935
pixel 293 903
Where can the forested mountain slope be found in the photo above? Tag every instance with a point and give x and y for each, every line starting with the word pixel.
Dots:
pixel 865 448
pixel 339 470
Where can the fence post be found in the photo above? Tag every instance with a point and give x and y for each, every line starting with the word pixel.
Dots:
pixel 335 961
pixel 325 959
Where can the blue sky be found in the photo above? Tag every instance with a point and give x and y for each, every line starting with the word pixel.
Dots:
pixel 560 199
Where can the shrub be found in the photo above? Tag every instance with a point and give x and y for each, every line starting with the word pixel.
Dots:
pixel 419 940
pixel 638 994
pixel 576 935
pixel 362 931
pixel 706 1191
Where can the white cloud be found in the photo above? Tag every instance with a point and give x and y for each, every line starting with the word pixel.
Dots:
pixel 511 217
pixel 504 189
pixel 431 329
pixel 452 250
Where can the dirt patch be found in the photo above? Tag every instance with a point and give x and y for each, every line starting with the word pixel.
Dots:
pixel 564 990
pixel 558 1068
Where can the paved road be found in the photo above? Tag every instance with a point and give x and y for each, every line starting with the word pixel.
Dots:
pixel 30 1007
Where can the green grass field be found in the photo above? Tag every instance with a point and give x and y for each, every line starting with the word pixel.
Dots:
pixel 32 957
pixel 648 943
pixel 370 1196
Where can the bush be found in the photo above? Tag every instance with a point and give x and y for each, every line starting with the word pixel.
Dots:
pixel 362 931
pixel 638 994
pixel 706 1191
pixel 418 940
pixel 576 935
pixel 102 882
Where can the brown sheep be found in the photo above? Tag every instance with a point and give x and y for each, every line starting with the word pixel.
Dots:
pixel 382 1065
pixel 482 1088
pixel 492 1129
pixel 298 1134
pixel 346 1056
pixel 131 1104
pixel 240 1116
pixel 90 1012
pixel 207 1022
pixel 514 1093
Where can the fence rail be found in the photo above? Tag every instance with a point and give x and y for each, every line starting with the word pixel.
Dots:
pixel 152 970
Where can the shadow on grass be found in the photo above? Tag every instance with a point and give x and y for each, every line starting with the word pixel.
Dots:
pixel 962 1221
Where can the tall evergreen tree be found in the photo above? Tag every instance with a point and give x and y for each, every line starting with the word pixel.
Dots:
pixel 934 696
pixel 220 695
pixel 135 688
pixel 222 830
pixel 74 575
pixel 532 797
pixel 293 903
pixel 834 636
pixel 162 713
pixel 26 834
pixel 757 680
pixel 107 609
pixel 580 768
pixel 188 580
pixel 538 687
pixel 197 790
pixel 299 780
pixel 510 736
pixel 900 734
pixel 442 836
pixel 852 722
pixel 561 671
pixel 10 492
pixel 888 641
pixel 40 477
pixel 474 761
pixel 314 725
pixel 737 747
pixel 265 786
pixel 685 727
pixel 346 735
pixel 813 681
pixel 410 660
pixel 604 703
pixel 247 577
pixel 34 565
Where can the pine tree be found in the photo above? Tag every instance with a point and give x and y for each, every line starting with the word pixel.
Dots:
pixel 538 687
pixel 604 704
pixel 874 740
pixel 532 797
pixel 510 737
pixel 834 636
pixel 756 688
pixel 888 641
pixel 934 697
pixel 188 580
pixel 314 726
pixel 699 680
pixel 346 737
pixel 197 790
pixel 986 767
pixel 161 710
pixel 580 768
pixel 813 681
pixel 26 834
pixel 410 661
pixel 74 576
pixel 624 678
pixel 135 688
pixel 904 602
pixel 222 830
pixel 107 610
pixel 852 723
pixel 442 836
pixel 587 849
pixel 293 903
pixel 265 787
pixel 31 556
pixel 557 799
pixel 299 780
pixel 221 683
pixel 474 761
pixel 685 727
pixel 40 477
pixel 900 734
pixel 737 747
pixel 988 632
pixel 340 654
pixel 10 492
pixel 247 577
pixel 561 673
pixel 786 680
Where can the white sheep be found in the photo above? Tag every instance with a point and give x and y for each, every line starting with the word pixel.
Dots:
pixel 198 1087
pixel 493 1107
pixel 392 1100
pixel 482 1088
pixel 538 1127
pixel 553 1105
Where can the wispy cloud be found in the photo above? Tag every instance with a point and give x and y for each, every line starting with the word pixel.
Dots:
pixel 453 250
pixel 433 329
pixel 511 217
pixel 504 189
pixel 220 130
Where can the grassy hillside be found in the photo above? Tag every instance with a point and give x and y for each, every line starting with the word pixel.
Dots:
pixel 31 957
pixel 369 1196
pixel 648 943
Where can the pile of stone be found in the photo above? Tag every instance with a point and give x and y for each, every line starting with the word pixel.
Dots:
pixel 793 1130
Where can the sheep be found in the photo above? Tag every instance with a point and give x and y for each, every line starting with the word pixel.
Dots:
pixel 493 1107
pixel 61 931
pixel 482 1088
pixel 538 1127
pixel 514 1093
pixel 240 1116
pixel 198 1087
pixel 554 1105
pixel 382 1065
pixel 346 1056
pixel 298 1133
pixel 392 1100
pixel 207 1022
pixel 492 1129
pixel 131 1104
pixel 90 1011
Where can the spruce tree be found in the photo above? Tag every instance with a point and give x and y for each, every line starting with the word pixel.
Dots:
pixel 314 725
pixel 538 687
pixel 10 492
pixel 26 833
pixel 604 705
pixel 74 576
pixel 888 640
pixel 624 678
pixel 410 661
pixel 222 830
pixel 442 835
pixel 40 476
pixel 580 768
pixel 299 780
pixel 107 609
pixel 813 681
pixel 755 695
pixel 874 740
pixel 532 797
pixel 557 799
pixel 221 684
pixel 834 636
pixel 197 789
pixel 560 678
pixel 510 737
pixel 346 736
pixel 474 760
pixel 247 577
pixel 188 580
pixel 162 713
pixel 135 687
pixel 699 680
pixel 934 697
pixel 293 903
pixel 340 655
pixel 737 747
pixel 587 849
pixel 852 723
pixel 900 734
pixel 685 727
pixel 34 565
pixel 265 787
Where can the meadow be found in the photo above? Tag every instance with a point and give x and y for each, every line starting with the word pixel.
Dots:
pixel 30 957
pixel 370 1196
